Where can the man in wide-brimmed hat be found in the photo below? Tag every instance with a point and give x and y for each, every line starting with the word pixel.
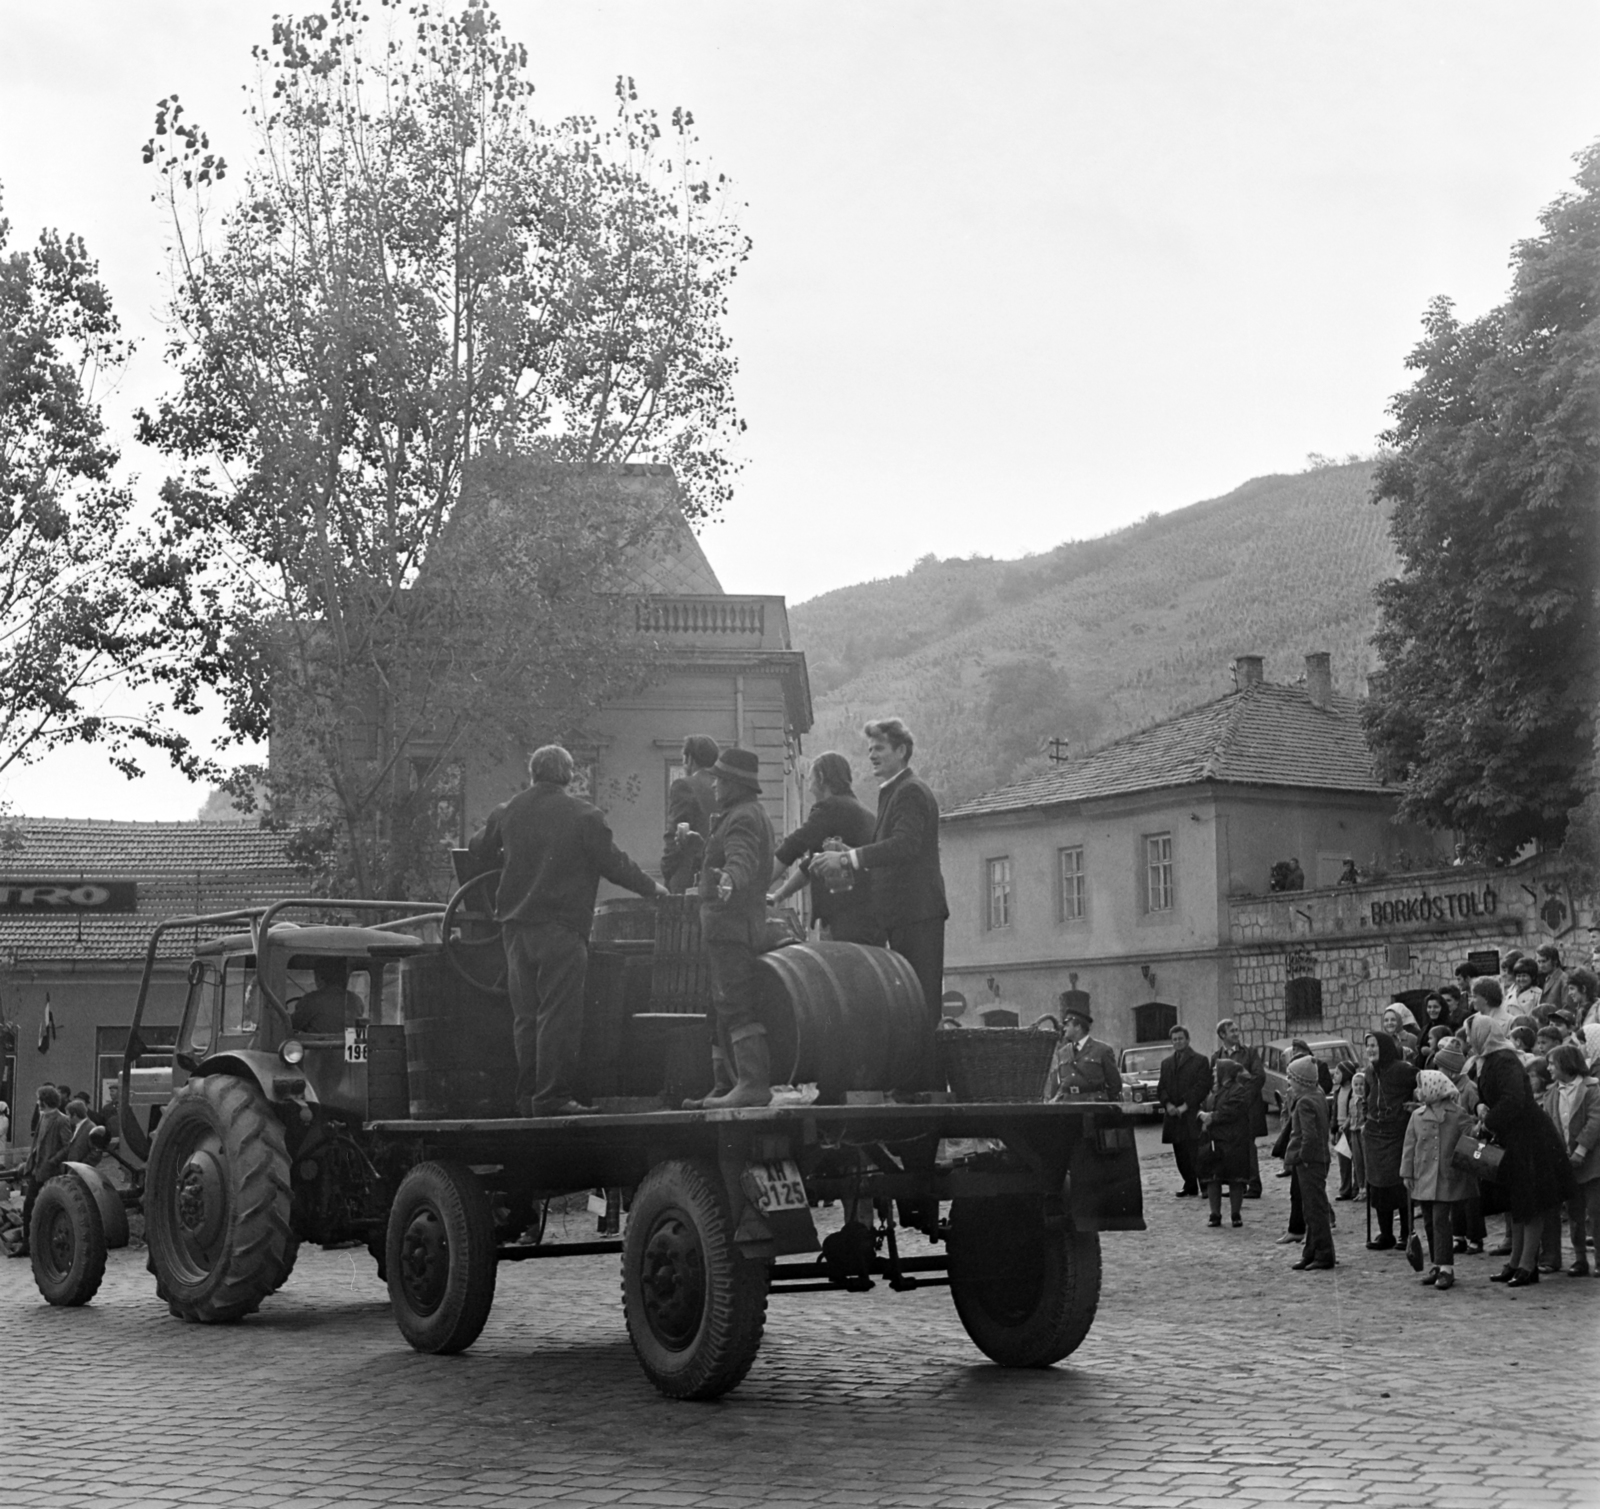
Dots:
pixel 733 924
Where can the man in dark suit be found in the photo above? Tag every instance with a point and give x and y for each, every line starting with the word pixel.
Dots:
pixel 1084 1068
pixel 733 926
pixel 1184 1083
pixel 552 850
pixel 903 863
pixel 691 801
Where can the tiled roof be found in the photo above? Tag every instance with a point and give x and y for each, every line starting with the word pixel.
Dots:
pixel 1264 735
pixel 71 846
pixel 180 869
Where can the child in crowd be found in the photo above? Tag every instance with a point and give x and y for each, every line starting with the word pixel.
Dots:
pixel 1429 1174
pixel 1307 1154
pixel 1574 1105
pixel 1344 1075
pixel 1226 1121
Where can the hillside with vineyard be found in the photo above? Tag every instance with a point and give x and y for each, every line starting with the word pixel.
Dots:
pixel 987 660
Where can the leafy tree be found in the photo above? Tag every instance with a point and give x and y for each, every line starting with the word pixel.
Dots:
pixel 1490 638
pixel 1030 702
pixel 72 619
pixel 420 283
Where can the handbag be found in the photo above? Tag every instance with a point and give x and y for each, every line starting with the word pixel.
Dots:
pixel 1342 1146
pixel 1479 1158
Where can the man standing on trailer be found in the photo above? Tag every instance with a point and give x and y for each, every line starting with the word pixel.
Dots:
pixel 552 849
pixel 691 801
pixel 733 926
pixel 903 863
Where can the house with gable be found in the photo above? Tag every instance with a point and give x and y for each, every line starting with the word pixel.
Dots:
pixel 725 667
pixel 1112 874
pixel 78 902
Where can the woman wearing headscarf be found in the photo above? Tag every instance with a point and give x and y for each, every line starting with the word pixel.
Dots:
pixel 1390 1081
pixel 1435 1013
pixel 1535 1173
pixel 1431 1177
pixel 1399 1023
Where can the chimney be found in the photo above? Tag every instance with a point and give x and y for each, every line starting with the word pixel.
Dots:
pixel 1319 679
pixel 1246 671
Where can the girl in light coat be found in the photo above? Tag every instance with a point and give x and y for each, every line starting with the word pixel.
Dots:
pixel 1429 1173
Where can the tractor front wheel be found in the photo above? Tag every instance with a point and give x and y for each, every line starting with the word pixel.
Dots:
pixel 216 1203
pixel 68 1241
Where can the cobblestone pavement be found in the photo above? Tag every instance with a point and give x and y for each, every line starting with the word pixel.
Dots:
pixel 1213 1375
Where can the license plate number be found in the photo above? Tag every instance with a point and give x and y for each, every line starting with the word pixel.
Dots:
pixel 355 1045
pixel 777 1186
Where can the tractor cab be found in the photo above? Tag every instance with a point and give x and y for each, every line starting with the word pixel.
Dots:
pixel 316 1016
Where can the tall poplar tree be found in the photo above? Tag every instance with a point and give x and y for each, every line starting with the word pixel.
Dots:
pixel 1486 704
pixel 419 283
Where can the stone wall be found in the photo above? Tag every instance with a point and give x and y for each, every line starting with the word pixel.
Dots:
pixel 1361 946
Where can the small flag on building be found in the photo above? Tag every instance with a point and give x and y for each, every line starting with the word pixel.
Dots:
pixel 47 1028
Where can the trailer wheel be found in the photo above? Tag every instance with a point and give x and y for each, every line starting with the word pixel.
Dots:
pixel 1025 1294
pixel 440 1257
pixel 216 1201
pixel 68 1240
pixel 695 1305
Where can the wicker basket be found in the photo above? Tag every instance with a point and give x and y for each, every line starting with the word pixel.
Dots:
pixel 995 1063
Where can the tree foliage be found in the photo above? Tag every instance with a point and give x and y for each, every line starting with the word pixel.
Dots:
pixel 74 633
pixel 1490 638
pixel 418 283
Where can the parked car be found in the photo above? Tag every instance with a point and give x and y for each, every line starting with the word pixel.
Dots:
pixel 1140 1069
pixel 1275 1060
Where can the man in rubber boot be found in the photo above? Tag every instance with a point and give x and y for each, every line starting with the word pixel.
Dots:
pixel 552 850
pixel 902 862
pixel 733 924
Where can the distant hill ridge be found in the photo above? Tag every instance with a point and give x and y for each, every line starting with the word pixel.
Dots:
pixel 985 659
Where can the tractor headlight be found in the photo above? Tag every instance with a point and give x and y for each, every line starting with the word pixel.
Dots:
pixel 292 1051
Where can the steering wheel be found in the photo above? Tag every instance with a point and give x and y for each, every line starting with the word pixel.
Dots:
pixel 472 941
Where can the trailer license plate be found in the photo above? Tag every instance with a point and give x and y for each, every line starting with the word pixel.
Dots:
pixel 778 1186
pixel 355 1044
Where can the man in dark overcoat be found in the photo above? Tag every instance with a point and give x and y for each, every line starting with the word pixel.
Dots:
pixel 691 801
pixel 1251 1064
pixel 1184 1084
pixel 552 850
pixel 903 863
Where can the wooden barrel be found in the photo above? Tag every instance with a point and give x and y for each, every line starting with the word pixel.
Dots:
pixel 461 1061
pixel 844 1015
pixel 624 919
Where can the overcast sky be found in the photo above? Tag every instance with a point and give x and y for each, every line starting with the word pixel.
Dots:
pixel 1022 272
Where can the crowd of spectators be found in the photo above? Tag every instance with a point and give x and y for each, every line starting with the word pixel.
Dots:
pixel 1484 1102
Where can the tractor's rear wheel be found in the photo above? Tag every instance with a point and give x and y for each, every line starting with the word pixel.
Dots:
pixel 1026 1293
pixel 68 1242
pixel 216 1203
pixel 440 1257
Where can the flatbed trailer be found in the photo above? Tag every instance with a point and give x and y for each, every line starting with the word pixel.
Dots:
pixel 718 1211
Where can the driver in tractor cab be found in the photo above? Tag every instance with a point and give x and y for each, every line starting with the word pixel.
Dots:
pixel 327 1008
